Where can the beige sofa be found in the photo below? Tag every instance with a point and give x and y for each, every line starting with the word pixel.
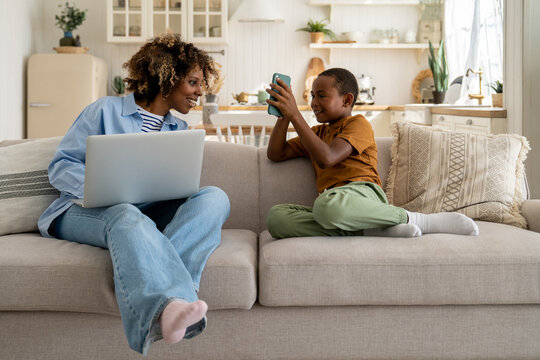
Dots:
pixel 433 297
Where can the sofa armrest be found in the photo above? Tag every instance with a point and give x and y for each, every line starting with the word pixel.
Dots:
pixel 531 211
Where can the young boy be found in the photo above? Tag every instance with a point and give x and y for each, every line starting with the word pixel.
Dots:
pixel 344 156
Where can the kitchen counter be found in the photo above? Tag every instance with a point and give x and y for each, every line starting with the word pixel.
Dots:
pixel 300 107
pixel 487 112
pixel 458 110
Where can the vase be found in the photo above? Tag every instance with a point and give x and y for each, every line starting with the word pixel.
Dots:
pixel 316 37
pixel 210 107
pixel 68 39
pixel 438 96
pixel 497 100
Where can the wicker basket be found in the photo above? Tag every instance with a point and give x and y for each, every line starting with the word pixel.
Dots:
pixel 71 49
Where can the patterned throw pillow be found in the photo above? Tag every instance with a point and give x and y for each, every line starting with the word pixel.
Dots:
pixel 480 176
pixel 25 191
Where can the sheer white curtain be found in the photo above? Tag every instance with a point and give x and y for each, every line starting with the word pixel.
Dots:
pixel 474 39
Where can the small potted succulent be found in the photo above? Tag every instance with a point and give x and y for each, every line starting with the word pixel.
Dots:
pixel 70 19
pixel 118 86
pixel 317 30
pixel 439 69
pixel 497 97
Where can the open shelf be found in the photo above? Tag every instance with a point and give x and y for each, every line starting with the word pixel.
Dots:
pixel 368 46
pixel 364 2
pixel 419 47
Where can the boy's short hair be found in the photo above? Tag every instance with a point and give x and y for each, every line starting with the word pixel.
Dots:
pixel 345 81
pixel 162 62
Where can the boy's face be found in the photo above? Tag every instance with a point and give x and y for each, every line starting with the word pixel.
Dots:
pixel 186 93
pixel 326 102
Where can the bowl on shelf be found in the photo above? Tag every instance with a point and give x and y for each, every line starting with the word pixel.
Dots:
pixel 357 36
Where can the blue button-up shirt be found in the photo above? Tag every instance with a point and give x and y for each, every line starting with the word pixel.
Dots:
pixel 108 115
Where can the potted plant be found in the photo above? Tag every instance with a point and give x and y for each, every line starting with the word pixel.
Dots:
pixel 69 19
pixel 118 86
pixel 317 30
pixel 439 69
pixel 497 98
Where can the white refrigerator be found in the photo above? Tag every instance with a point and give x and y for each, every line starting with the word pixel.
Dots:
pixel 60 86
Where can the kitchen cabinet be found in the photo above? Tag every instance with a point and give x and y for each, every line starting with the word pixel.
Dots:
pixel 127 21
pixel 379 120
pixel 470 124
pixel 198 21
pixel 413 114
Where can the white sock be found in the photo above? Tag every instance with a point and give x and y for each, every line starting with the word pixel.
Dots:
pixel 401 230
pixel 449 223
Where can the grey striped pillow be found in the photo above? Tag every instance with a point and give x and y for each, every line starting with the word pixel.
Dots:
pixel 25 191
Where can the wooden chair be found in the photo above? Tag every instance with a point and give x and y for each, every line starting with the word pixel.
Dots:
pixel 253 129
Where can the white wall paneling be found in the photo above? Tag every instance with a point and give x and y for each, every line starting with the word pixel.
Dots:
pixel 256 50
pixel 20 27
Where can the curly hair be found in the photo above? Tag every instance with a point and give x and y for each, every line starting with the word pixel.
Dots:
pixel 345 81
pixel 163 62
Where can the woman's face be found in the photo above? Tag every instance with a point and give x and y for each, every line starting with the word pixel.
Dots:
pixel 186 93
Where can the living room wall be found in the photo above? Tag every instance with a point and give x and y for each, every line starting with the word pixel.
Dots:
pixel 256 50
pixel 20 26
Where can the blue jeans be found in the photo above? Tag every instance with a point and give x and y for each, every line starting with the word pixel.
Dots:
pixel 158 252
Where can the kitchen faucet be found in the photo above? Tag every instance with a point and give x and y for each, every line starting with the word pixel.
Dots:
pixel 478 96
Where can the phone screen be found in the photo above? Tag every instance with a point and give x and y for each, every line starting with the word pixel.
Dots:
pixel 272 110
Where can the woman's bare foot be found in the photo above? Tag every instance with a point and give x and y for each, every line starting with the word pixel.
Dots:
pixel 177 316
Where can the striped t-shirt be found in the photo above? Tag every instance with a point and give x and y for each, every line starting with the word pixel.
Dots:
pixel 151 122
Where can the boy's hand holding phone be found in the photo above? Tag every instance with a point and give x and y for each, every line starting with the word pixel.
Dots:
pixel 282 102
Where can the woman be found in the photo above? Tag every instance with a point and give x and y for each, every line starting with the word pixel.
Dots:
pixel 159 249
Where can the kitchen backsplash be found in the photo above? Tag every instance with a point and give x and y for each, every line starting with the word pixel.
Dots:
pixel 256 50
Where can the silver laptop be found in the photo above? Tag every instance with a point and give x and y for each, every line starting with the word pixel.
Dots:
pixel 141 167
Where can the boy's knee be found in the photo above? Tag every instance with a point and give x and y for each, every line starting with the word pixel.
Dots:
pixel 326 212
pixel 278 221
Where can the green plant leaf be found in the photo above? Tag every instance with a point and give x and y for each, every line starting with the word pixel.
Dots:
pixel 438 66
pixel 317 26
pixel 70 17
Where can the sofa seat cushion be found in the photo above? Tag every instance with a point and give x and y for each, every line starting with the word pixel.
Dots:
pixel 38 273
pixel 501 266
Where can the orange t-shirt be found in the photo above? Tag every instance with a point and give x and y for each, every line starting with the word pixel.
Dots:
pixel 361 165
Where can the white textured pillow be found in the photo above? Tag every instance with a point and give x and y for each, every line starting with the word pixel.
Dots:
pixel 25 191
pixel 480 176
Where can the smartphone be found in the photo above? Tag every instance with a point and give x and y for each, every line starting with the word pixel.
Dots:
pixel 272 110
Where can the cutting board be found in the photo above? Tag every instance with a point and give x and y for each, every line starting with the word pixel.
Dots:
pixel 315 67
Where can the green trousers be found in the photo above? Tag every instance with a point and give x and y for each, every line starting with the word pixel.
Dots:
pixel 343 211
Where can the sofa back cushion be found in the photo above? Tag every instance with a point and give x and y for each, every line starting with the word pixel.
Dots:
pixel 232 167
pixel 235 169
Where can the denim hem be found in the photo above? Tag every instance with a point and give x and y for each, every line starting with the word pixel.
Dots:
pixel 154 330
pixel 196 329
